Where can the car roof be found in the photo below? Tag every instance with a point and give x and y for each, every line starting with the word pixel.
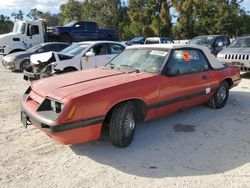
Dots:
pixel 157 38
pixel 98 42
pixel 214 62
pixel 209 36
pixel 50 43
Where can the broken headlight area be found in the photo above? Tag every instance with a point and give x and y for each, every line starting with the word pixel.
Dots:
pixel 50 108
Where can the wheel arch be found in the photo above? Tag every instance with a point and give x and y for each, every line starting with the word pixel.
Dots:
pixel 229 81
pixel 16 50
pixel 140 106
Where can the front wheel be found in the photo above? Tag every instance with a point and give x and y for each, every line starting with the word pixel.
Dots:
pixel 220 97
pixel 122 124
pixel 24 64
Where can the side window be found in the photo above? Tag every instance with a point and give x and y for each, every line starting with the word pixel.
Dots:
pixel 100 49
pixel 226 41
pixel 116 48
pixel 187 61
pixel 166 41
pixel 90 25
pixel 35 29
pixel 218 41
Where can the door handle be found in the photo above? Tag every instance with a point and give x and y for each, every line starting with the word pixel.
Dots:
pixel 204 77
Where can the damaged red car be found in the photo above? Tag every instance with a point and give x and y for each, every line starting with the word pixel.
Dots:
pixel 142 83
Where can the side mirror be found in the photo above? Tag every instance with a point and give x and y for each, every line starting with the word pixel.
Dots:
pixel 172 72
pixel 77 25
pixel 90 54
pixel 40 50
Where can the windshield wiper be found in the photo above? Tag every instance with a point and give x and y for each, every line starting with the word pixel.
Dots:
pixel 132 67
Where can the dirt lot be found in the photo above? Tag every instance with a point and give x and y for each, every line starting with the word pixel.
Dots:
pixel 197 147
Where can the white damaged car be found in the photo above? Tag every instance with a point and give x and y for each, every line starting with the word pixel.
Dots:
pixel 78 56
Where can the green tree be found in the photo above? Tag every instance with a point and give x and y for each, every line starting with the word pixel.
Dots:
pixel 18 15
pixel 6 24
pixel 71 10
pixel 150 17
pixel 51 19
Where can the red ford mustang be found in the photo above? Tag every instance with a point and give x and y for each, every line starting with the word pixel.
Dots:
pixel 142 83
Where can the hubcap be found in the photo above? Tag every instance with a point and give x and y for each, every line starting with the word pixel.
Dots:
pixel 25 65
pixel 221 95
pixel 129 124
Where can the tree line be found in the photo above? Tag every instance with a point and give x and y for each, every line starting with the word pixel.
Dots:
pixel 179 19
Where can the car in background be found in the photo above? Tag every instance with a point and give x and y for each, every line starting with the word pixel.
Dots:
pixel 81 30
pixel 136 40
pixel 21 60
pixel 78 56
pixel 158 40
pixel 214 42
pixel 237 53
pixel 142 83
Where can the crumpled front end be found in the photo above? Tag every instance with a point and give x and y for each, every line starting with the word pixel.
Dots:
pixel 40 68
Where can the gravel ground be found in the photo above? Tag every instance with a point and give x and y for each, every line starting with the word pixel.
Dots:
pixel 196 147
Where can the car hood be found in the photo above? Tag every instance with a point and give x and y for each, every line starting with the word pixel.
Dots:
pixel 235 50
pixel 6 38
pixel 86 82
pixel 20 54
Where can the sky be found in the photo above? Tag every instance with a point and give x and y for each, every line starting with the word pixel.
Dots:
pixel 9 6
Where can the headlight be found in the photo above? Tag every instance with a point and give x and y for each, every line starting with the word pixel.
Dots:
pixel 9 59
pixel 220 55
pixel 56 106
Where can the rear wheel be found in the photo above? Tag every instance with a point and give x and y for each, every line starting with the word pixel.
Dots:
pixel 220 97
pixel 122 124
pixel 24 64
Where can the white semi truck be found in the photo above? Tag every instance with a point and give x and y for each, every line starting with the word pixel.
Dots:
pixel 24 35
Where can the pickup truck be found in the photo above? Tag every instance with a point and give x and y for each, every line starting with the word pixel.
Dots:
pixel 77 31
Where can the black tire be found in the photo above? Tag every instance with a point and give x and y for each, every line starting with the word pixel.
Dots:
pixel 220 97
pixel 24 64
pixel 122 124
pixel 66 38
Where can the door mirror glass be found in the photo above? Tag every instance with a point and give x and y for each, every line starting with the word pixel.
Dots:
pixel 90 54
pixel 77 25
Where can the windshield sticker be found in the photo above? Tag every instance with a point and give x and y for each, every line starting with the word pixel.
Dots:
pixel 159 53
pixel 186 56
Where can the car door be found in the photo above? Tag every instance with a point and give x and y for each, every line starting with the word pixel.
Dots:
pixel 34 36
pixel 185 81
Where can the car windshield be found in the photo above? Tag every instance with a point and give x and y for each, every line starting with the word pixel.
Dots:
pixel 240 43
pixel 19 27
pixel 205 41
pixel 75 49
pixel 143 60
pixel 34 48
pixel 70 24
pixel 137 39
